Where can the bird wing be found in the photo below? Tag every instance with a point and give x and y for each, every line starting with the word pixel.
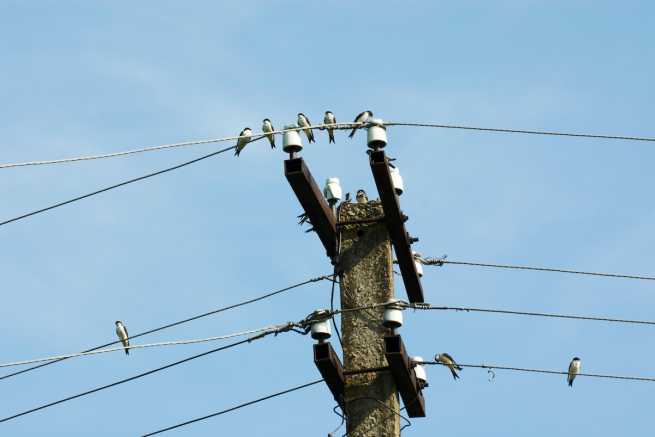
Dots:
pixel 448 358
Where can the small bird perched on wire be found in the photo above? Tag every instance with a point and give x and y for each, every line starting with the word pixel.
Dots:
pixel 361 196
pixel 304 122
pixel 267 127
pixel 245 137
pixel 330 119
pixel 574 369
pixel 361 118
pixel 123 336
pixel 449 362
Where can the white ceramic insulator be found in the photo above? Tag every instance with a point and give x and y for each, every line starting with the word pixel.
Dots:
pixel 321 330
pixel 377 134
pixel 332 189
pixel 419 370
pixel 291 140
pixel 396 180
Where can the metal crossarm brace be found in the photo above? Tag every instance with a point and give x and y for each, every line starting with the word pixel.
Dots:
pixel 404 375
pixel 396 226
pixel 312 200
pixel 331 370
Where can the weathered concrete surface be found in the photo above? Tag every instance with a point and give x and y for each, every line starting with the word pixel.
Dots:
pixel 367 278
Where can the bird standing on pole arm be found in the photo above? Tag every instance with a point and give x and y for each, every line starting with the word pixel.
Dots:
pixel 303 121
pixel 123 336
pixel 330 119
pixel 361 118
pixel 361 196
pixel 267 126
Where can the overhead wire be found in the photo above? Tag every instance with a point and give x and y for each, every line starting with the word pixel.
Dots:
pixel 551 372
pixel 121 381
pixel 180 322
pixel 337 126
pixel 441 261
pixel 276 330
pixel 523 131
pixel 138 346
pixel 527 313
pixel 236 407
pixel 111 187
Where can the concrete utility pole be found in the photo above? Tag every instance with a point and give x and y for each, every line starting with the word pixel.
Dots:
pixel 366 266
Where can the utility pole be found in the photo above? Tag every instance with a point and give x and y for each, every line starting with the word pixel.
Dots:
pixel 359 241
pixel 366 267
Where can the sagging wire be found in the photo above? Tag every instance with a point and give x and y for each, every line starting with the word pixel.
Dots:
pixel 439 262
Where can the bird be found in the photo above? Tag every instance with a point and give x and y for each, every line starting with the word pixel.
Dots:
pixel 574 369
pixel 124 337
pixel 330 119
pixel 449 362
pixel 268 127
pixel 304 122
pixel 361 118
pixel 361 196
pixel 245 137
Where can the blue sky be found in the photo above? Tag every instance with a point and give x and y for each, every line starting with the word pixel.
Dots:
pixel 93 77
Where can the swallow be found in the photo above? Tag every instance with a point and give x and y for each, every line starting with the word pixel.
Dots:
pixel 303 121
pixel 361 196
pixel 123 336
pixel 245 137
pixel 361 118
pixel 574 369
pixel 330 119
pixel 449 362
pixel 268 127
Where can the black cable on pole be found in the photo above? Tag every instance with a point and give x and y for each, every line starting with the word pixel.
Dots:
pixel 236 407
pixel 132 378
pixel 120 184
pixel 170 325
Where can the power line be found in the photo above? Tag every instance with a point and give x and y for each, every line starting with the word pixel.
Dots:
pixel 525 313
pixel 120 184
pixel 277 330
pixel 190 319
pixel 122 381
pixel 138 346
pixel 551 372
pixel 256 136
pixel 337 126
pixel 236 407
pixel 522 131
pixel 441 261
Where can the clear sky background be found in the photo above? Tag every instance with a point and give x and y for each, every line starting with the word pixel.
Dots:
pixel 82 77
